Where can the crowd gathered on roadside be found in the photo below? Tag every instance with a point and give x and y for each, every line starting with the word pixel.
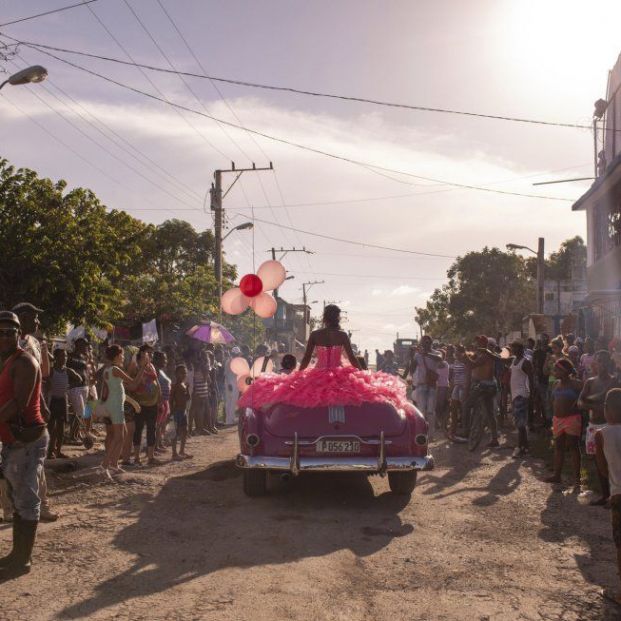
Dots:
pixel 151 400
pixel 565 389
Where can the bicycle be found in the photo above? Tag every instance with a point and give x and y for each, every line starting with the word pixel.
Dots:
pixel 479 413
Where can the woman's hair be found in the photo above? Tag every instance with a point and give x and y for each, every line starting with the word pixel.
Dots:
pixel 113 351
pixel 288 362
pixel 558 342
pixel 332 316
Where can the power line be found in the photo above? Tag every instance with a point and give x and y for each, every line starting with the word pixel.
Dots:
pixel 298 145
pixel 373 276
pixel 62 8
pixel 355 243
pixel 289 89
pixel 157 89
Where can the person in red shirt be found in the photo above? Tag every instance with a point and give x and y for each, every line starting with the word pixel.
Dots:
pixel 24 437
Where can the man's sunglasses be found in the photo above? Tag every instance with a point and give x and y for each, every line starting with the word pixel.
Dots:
pixel 8 333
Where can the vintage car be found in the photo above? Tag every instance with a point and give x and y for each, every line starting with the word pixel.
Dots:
pixel 375 438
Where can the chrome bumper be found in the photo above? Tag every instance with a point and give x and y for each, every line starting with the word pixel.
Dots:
pixel 340 464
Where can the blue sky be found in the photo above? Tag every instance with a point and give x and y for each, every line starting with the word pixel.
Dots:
pixel 545 60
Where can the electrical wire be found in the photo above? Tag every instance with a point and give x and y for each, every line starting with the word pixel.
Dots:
pixel 355 243
pixel 161 97
pixel 297 91
pixel 302 146
pixel 62 8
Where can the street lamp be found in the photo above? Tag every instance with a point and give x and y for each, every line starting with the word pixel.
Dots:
pixel 540 268
pixel 36 73
pixel 240 227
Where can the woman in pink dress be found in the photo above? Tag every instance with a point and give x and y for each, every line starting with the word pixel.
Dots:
pixel 328 382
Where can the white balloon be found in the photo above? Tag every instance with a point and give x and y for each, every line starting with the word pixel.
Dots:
pixel 272 274
pixel 257 367
pixel 239 366
pixel 234 302
pixel 264 305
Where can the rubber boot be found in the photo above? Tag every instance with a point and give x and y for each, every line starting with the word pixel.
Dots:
pixel 5 500
pixel 20 563
pixel 7 560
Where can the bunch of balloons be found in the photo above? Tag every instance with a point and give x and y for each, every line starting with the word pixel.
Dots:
pixel 246 375
pixel 252 291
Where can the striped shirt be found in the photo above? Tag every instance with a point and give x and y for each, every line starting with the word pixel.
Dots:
pixel 201 383
pixel 459 374
pixel 59 384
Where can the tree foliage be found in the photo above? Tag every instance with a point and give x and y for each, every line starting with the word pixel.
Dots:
pixel 63 250
pixel 487 292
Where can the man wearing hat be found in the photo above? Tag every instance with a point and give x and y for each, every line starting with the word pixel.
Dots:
pixel 24 437
pixel 28 315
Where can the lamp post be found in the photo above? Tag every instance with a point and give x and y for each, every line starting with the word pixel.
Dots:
pixel 33 74
pixel 540 268
pixel 218 259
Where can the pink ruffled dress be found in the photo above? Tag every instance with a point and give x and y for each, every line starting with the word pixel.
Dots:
pixel 327 383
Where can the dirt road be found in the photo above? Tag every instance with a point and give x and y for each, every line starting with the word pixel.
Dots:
pixel 481 538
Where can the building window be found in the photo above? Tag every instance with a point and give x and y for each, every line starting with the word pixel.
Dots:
pixel 607 224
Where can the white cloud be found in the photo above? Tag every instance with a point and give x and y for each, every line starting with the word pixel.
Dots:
pixel 404 290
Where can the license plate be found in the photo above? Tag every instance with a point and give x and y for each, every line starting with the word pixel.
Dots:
pixel 338 446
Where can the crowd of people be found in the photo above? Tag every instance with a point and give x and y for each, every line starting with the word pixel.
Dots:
pixel 566 387
pixel 148 400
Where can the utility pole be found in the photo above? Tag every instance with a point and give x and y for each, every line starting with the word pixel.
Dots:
pixel 306 286
pixel 541 262
pixel 285 252
pixel 216 206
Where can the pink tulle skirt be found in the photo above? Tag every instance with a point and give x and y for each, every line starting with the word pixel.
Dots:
pixel 324 387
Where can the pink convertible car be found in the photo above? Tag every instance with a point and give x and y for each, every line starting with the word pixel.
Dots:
pixel 376 438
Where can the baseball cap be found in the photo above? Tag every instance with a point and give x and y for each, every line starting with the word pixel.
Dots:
pixel 24 307
pixel 9 317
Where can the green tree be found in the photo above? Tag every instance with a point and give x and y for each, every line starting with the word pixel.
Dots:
pixel 63 250
pixel 487 292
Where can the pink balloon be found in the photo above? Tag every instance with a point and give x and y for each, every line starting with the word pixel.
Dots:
pixel 257 367
pixel 239 366
pixel 272 274
pixel 234 301
pixel 264 305
pixel 242 383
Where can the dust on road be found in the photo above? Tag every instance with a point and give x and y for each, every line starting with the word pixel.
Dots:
pixel 481 538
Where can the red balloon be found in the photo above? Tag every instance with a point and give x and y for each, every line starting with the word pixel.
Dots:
pixel 251 285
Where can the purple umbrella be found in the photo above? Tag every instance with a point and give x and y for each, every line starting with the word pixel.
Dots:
pixel 211 332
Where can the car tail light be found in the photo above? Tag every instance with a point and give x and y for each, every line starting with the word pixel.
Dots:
pixel 421 439
pixel 252 440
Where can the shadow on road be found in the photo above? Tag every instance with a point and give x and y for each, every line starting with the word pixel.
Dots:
pixel 564 520
pixel 201 523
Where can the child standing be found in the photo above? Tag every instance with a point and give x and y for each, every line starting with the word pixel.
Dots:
pixel 608 455
pixel 160 362
pixel 179 399
pixel 60 380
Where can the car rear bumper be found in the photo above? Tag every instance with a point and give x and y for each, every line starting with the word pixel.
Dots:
pixel 337 464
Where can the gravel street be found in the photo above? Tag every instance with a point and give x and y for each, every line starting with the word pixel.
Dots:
pixel 481 538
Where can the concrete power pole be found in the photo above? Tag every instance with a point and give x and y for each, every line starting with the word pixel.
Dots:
pixel 285 252
pixel 541 262
pixel 305 289
pixel 216 206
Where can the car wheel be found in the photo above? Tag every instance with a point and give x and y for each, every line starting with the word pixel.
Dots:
pixel 255 482
pixel 402 482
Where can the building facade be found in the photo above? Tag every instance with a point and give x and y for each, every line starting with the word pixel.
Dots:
pixel 601 315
